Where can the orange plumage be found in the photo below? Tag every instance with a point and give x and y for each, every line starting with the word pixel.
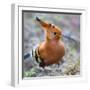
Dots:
pixel 52 49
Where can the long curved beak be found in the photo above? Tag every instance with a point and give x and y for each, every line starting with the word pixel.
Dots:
pixel 38 19
pixel 42 23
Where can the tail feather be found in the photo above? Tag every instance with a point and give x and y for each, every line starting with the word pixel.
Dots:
pixel 31 53
pixel 26 56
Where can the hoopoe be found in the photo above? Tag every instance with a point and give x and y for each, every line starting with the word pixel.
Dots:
pixel 51 50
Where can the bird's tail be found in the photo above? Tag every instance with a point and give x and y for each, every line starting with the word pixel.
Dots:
pixel 26 55
pixel 31 53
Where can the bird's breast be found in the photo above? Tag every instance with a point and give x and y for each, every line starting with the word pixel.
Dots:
pixel 51 52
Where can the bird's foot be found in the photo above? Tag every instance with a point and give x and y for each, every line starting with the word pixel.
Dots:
pixel 47 69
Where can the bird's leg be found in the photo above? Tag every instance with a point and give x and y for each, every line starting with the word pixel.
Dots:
pixel 58 64
pixel 42 65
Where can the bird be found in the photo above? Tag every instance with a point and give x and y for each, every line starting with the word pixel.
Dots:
pixel 51 50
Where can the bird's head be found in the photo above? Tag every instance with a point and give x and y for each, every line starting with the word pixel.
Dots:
pixel 52 32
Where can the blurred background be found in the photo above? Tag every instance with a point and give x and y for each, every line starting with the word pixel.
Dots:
pixel 33 35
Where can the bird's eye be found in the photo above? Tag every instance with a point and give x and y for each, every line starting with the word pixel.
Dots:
pixel 54 33
pixel 50 25
pixel 53 26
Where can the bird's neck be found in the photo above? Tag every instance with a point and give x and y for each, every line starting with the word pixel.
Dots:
pixel 54 41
